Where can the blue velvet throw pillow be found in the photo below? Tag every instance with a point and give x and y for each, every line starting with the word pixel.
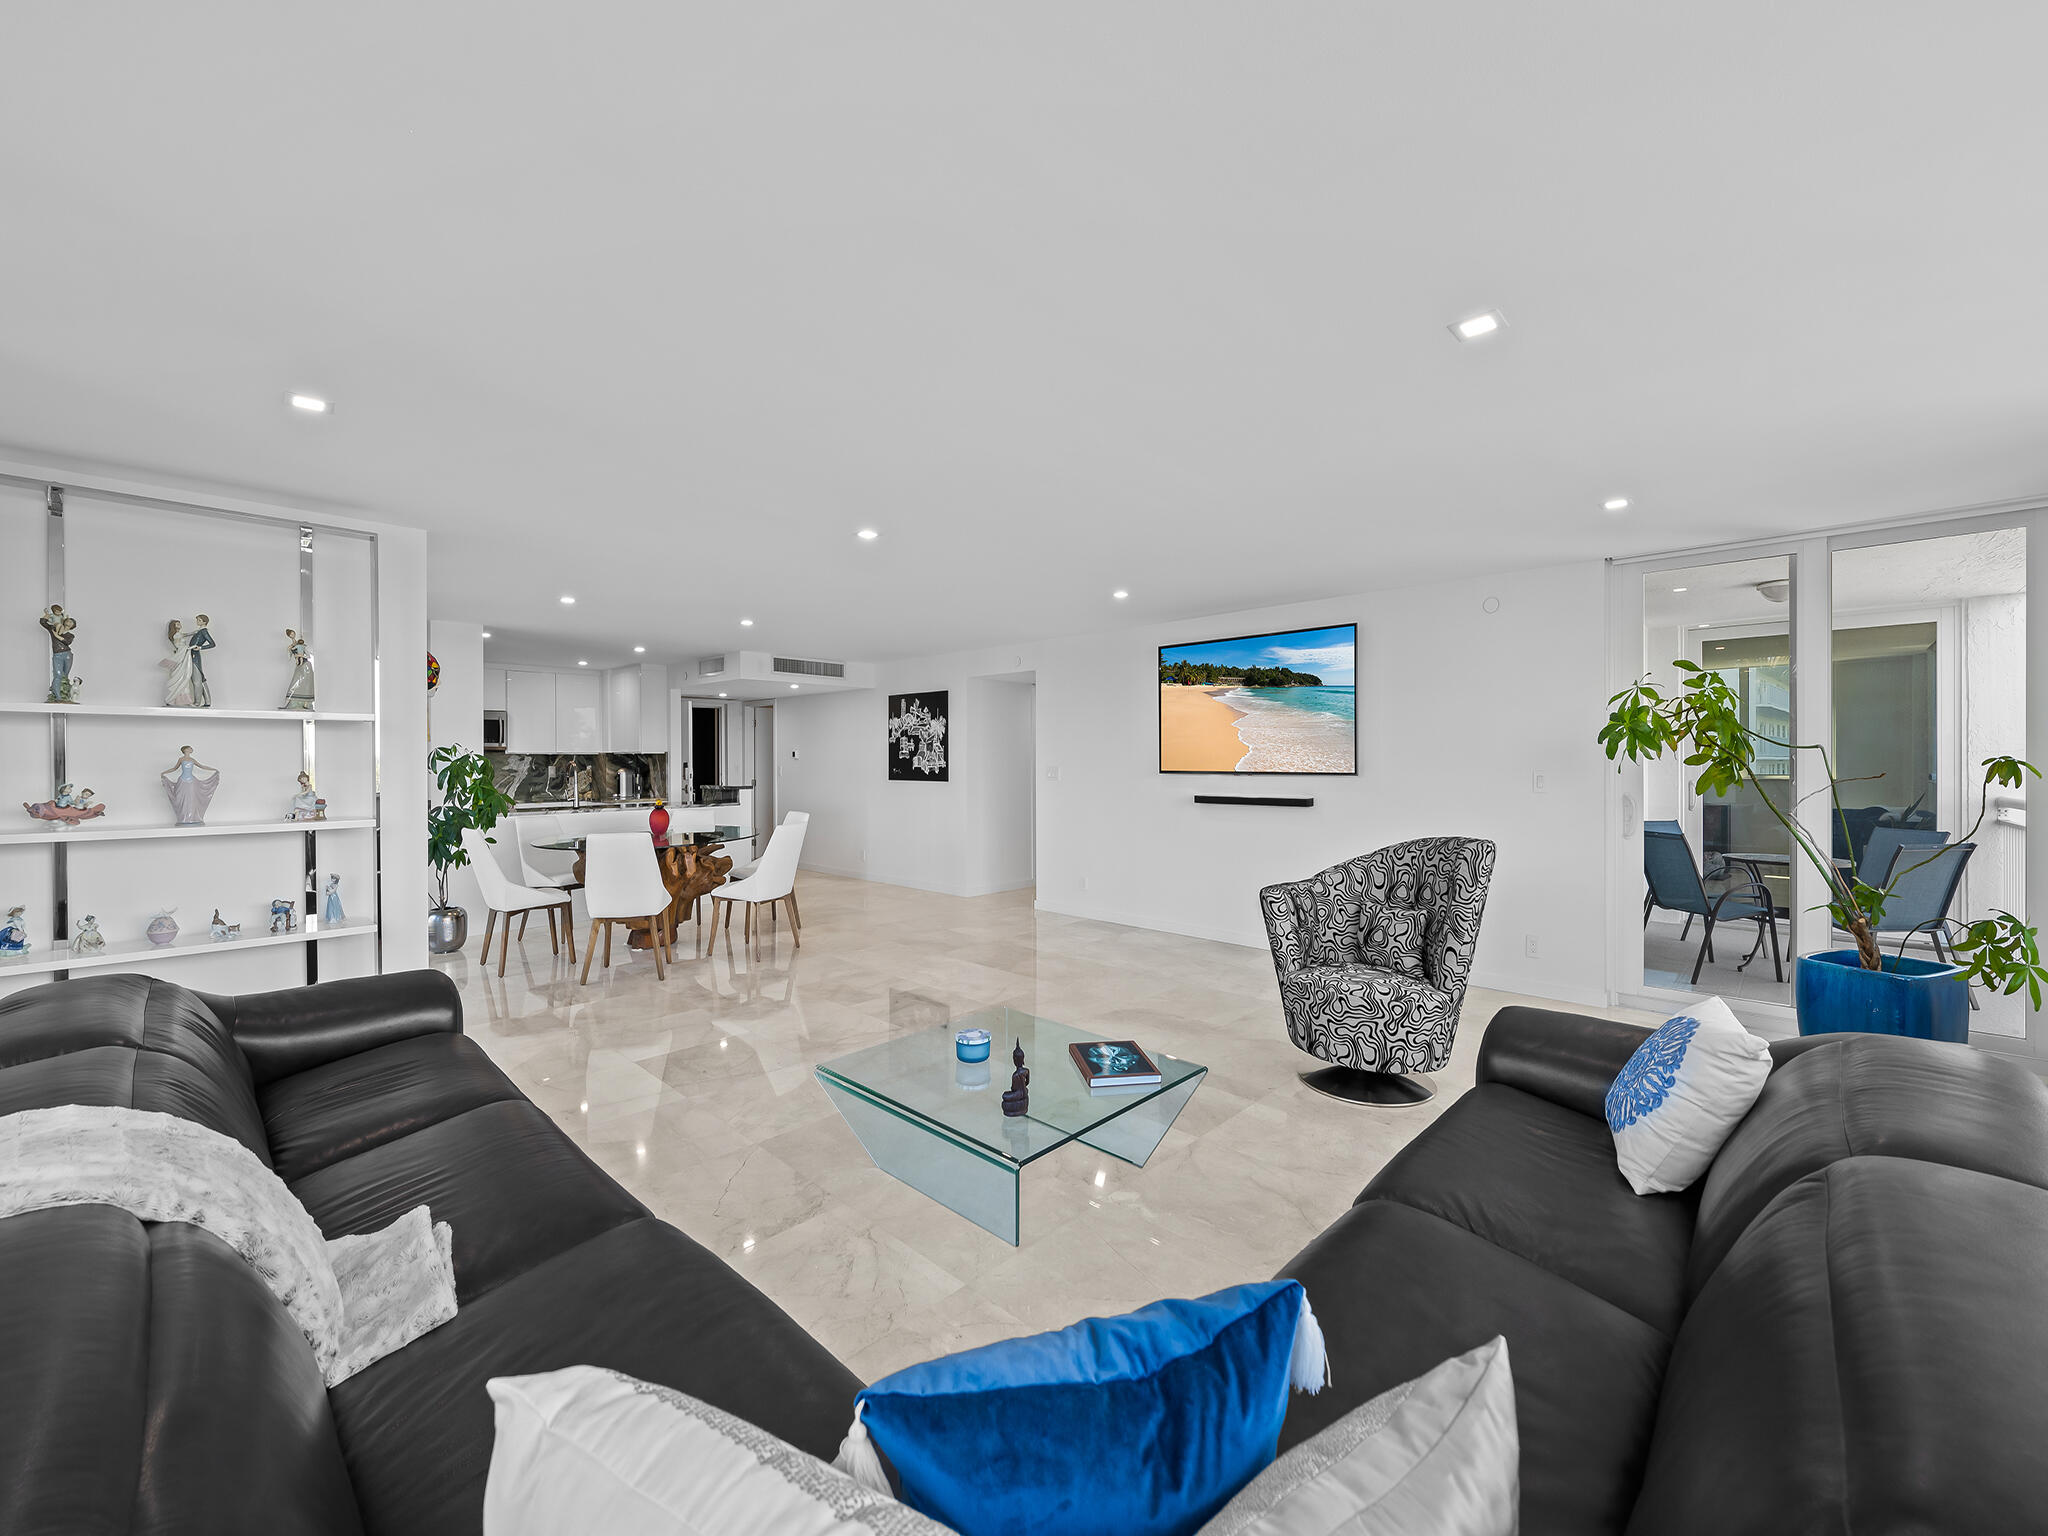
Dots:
pixel 1141 1425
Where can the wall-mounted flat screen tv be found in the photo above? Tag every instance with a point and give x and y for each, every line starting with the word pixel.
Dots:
pixel 1280 703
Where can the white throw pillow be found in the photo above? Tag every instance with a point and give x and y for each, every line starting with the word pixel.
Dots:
pixel 585 1449
pixel 1680 1095
pixel 1437 1456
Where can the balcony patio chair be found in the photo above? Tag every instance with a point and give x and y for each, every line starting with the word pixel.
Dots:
pixel 1926 890
pixel 1675 886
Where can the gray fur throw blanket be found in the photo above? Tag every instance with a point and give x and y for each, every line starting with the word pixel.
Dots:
pixel 356 1299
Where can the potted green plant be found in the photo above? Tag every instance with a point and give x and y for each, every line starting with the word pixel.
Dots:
pixel 1862 988
pixel 470 800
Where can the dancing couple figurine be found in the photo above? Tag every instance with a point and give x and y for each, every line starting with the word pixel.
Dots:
pixel 299 693
pixel 185 687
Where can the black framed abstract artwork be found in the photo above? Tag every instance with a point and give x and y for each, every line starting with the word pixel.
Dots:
pixel 918 745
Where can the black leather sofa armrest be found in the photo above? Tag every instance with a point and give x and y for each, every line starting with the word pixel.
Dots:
pixel 1568 1058
pixel 285 1032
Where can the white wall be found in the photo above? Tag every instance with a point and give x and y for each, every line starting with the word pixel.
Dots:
pixel 455 718
pixel 1459 709
pixel 969 836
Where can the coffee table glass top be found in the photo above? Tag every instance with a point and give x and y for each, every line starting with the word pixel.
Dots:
pixel 918 1077
pixel 676 837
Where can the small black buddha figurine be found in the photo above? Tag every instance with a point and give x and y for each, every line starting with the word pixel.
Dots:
pixel 1018 1100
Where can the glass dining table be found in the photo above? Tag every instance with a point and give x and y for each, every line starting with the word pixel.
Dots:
pixel 692 866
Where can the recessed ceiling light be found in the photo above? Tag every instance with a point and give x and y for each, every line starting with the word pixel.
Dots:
pixel 567 598
pixel 746 623
pixel 867 533
pixel 310 403
pixel 1119 594
pixel 796 685
pixel 582 663
pixel 639 650
pixel 1681 589
pixel 1614 504
pixel 487 634
pixel 1475 326
pixel 721 695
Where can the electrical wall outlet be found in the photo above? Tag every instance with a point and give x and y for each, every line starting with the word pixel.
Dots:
pixel 1537 784
pixel 1529 945
pixel 1052 773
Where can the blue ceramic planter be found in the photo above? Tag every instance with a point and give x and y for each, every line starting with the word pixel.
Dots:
pixel 1922 998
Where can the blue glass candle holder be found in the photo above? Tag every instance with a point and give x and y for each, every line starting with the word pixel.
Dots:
pixel 971 1045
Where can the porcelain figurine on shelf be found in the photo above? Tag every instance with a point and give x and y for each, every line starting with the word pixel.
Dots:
pixel 185 687
pixel 284 916
pixel 330 901
pixel 190 784
pixel 306 806
pixel 67 808
pixel 163 928
pixel 299 695
pixel 63 686
pixel 14 932
pixel 89 940
pixel 222 930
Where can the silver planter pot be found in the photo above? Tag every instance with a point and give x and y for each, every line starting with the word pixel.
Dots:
pixel 447 928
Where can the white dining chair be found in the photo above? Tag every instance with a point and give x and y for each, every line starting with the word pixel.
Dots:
pixel 772 883
pixel 503 897
pixel 542 866
pixel 622 882
pixel 742 868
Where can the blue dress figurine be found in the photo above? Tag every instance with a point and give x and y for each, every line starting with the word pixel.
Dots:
pixel 330 901
pixel 14 932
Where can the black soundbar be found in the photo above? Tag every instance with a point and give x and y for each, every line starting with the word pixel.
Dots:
pixel 1255 800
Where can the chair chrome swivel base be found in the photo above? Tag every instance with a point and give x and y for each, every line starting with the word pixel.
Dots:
pixel 1380 1090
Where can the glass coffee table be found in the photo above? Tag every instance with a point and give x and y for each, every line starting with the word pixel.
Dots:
pixel 937 1123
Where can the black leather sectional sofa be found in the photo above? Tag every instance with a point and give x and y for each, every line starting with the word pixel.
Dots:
pixel 1838 1330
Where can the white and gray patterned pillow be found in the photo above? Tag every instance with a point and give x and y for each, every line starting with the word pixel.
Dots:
pixel 1437 1456
pixel 1395 938
pixel 586 1449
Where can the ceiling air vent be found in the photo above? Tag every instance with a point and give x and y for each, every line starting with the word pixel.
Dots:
pixel 810 668
pixel 710 666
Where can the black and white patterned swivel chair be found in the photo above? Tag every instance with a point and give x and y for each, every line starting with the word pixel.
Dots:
pixel 1375 1026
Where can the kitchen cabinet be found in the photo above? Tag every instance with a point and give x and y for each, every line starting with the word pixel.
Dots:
pixel 494 688
pixel 622 710
pixel 529 711
pixel 636 708
pixel 579 712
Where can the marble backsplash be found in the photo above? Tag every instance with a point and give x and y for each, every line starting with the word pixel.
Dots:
pixel 585 777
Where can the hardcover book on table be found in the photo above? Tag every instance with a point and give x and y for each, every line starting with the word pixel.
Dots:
pixel 1113 1063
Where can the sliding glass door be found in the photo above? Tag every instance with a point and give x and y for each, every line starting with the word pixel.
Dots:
pixel 1716 868
pixel 1930 678
pixel 1904 652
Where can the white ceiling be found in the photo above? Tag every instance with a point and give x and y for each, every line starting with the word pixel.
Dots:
pixel 658 304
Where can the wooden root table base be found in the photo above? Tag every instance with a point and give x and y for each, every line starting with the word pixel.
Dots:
pixel 689 873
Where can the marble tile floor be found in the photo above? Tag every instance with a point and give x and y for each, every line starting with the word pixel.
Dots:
pixel 697 1093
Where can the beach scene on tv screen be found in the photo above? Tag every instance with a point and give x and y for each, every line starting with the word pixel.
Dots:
pixel 1284 703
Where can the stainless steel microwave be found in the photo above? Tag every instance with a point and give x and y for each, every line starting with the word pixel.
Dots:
pixel 494 730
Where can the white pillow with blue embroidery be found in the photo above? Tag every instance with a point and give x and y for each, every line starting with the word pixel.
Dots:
pixel 1685 1089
